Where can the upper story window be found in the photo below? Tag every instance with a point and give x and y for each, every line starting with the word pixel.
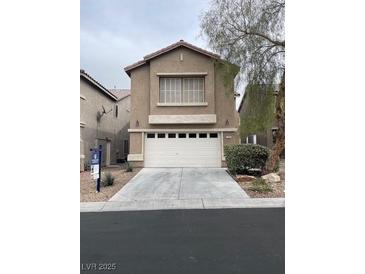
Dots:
pixel 181 90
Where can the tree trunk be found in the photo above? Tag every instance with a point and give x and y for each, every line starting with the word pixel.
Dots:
pixel 279 145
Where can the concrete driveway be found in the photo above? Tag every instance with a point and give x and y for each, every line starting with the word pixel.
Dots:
pixel 188 185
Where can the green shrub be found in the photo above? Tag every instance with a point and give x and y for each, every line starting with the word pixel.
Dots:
pixel 129 167
pixel 108 179
pixel 245 157
pixel 261 186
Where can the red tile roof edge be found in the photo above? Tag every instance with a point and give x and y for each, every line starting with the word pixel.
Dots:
pixel 167 49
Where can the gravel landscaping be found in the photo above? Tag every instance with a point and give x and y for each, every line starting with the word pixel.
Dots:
pixel 88 186
pixel 278 189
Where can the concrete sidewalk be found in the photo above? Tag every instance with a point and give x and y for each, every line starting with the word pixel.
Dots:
pixel 205 203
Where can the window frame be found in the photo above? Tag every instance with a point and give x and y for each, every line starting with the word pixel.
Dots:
pixel 182 102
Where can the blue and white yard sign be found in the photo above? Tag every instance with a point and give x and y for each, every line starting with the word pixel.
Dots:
pixel 95 164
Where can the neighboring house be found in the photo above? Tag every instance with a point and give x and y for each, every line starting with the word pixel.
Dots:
pixel 104 120
pixel 182 108
pixel 248 113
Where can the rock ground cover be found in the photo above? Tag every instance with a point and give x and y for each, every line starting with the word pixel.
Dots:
pixel 278 188
pixel 88 187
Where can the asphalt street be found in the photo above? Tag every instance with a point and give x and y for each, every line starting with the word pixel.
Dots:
pixel 222 241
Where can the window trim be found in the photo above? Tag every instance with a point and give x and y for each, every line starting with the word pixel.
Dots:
pixel 181 74
pixel 182 104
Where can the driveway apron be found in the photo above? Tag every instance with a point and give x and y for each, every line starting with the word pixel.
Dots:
pixel 180 184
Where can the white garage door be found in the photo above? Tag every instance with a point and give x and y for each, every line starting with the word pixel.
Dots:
pixel 182 150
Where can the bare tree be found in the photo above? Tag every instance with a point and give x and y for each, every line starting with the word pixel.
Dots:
pixel 250 33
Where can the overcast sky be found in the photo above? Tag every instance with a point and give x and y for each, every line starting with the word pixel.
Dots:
pixel 117 33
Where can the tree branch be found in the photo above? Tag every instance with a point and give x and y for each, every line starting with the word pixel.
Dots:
pixel 278 43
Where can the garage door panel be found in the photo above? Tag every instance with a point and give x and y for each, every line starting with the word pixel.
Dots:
pixel 182 152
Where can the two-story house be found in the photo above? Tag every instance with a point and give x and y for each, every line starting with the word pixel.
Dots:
pixel 182 108
pixel 104 120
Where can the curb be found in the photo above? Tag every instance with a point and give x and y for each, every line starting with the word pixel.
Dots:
pixel 169 204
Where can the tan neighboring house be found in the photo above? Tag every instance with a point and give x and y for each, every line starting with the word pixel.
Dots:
pixel 182 108
pixel 104 120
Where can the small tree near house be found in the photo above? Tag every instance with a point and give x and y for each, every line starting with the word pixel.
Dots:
pixel 251 33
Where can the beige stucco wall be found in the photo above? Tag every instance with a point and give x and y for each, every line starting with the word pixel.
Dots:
pixel 93 133
pixel 145 95
pixel 140 97
pixel 136 143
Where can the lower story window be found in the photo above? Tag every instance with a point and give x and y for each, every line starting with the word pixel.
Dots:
pixel 251 139
pixel 126 147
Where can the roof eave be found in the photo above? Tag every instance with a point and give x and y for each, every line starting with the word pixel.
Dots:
pixel 97 85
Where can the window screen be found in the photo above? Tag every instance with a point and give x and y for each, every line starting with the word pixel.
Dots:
pixel 193 90
pixel 170 90
pixel 181 90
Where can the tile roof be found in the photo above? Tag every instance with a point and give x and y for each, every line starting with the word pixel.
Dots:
pixel 120 93
pixel 180 43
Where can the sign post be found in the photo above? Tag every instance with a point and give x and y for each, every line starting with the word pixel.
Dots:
pixel 96 165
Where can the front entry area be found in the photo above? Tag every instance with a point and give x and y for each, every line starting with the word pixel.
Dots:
pixel 199 149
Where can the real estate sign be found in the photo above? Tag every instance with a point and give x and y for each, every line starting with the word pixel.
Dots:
pixel 95 164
